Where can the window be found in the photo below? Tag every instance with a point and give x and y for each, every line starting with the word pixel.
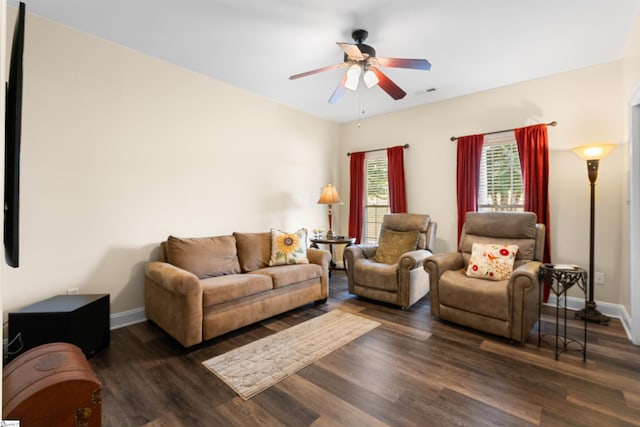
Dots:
pixel 377 196
pixel 500 187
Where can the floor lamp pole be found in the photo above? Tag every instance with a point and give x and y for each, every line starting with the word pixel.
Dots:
pixel 590 311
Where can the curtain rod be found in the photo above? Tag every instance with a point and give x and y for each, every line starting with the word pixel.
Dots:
pixel 405 146
pixel 553 123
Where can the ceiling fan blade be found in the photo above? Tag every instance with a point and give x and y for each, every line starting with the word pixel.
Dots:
pixel 339 92
pixel 316 71
pixel 415 64
pixel 352 51
pixel 387 85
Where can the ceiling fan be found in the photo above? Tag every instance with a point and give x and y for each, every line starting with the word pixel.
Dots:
pixel 361 60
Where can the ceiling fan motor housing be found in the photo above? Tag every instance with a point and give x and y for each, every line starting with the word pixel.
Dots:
pixel 359 36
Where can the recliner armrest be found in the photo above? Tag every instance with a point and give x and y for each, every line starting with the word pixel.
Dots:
pixel 413 259
pixel 355 252
pixel 439 263
pixel 527 271
pixel 172 278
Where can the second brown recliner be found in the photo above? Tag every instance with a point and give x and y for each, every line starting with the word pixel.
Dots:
pixel 507 307
pixel 392 271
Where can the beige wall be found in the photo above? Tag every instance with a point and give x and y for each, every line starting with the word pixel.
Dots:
pixel 589 107
pixel 121 150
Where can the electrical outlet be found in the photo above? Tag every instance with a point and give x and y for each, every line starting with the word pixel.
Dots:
pixel 73 291
pixel 599 279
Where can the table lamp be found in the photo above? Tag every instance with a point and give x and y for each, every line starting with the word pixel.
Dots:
pixel 329 197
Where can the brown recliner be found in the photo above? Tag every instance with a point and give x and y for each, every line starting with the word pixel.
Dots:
pixel 509 307
pixel 402 282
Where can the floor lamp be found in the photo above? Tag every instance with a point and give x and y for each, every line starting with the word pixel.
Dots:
pixel 329 197
pixel 592 154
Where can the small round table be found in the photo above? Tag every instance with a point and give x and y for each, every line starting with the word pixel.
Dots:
pixel 560 278
pixel 347 241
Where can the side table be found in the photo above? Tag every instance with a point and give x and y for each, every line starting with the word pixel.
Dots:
pixel 560 278
pixel 347 241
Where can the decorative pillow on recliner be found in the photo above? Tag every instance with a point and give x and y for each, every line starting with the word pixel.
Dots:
pixel 492 262
pixel 393 244
pixel 288 248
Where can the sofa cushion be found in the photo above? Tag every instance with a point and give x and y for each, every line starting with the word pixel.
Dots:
pixel 395 243
pixel 254 250
pixel 483 297
pixel 216 290
pixel 285 275
pixel 288 248
pixel 204 256
pixel 492 262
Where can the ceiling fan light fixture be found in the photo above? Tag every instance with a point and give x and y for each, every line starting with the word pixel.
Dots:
pixel 370 79
pixel 353 77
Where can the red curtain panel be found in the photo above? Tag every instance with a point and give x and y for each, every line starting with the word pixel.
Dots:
pixel 533 148
pixel 397 192
pixel 468 175
pixel 356 195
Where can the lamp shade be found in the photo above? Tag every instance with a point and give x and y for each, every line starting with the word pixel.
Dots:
pixel 370 79
pixel 329 196
pixel 593 151
pixel 353 77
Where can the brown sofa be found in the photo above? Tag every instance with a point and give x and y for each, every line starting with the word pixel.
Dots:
pixel 204 287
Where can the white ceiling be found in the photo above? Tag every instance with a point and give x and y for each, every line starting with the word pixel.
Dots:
pixel 257 44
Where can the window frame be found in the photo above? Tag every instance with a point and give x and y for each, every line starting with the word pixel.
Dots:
pixel 371 226
pixel 484 202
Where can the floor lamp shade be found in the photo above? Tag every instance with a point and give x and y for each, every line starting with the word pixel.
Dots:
pixel 329 197
pixel 592 154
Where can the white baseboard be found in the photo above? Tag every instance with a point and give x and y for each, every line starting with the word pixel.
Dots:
pixel 136 315
pixel 612 310
pixel 126 318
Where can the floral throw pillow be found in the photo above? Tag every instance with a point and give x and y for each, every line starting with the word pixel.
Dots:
pixel 492 262
pixel 288 248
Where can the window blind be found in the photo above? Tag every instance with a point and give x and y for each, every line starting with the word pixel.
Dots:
pixel 500 187
pixel 377 197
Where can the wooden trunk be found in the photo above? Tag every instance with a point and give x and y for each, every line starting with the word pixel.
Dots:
pixel 52 384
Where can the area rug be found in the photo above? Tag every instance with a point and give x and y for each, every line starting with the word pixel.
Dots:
pixel 254 367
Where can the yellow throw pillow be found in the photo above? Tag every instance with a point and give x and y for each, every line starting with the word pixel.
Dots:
pixel 288 248
pixel 393 244
pixel 492 262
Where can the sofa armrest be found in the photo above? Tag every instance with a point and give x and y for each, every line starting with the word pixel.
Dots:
pixel 172 278
pixel 173 300
pixel 319 256
pixel 322 258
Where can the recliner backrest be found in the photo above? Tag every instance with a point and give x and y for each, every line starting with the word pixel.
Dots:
pixel 514 228
pixel 408 222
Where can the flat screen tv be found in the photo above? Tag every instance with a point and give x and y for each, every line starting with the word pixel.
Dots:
pixel 12 134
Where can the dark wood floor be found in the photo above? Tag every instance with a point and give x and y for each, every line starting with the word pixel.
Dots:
pixel 411 371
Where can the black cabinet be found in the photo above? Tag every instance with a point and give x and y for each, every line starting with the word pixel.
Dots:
pixel 82 320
